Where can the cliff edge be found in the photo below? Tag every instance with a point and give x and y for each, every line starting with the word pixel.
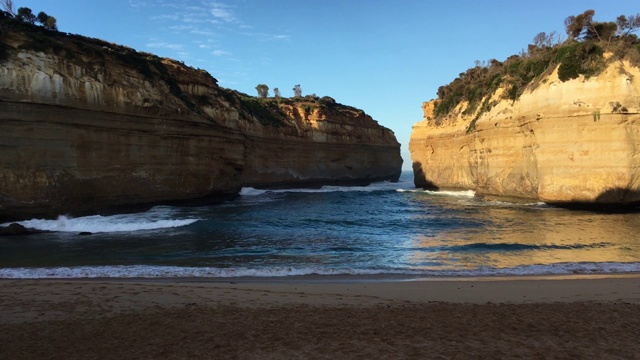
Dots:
pixel 88 126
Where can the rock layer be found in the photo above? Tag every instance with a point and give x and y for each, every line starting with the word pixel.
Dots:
pixel 87 126
pixel 573 143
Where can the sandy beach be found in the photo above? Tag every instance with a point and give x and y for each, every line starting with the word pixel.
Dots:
pixel 594 317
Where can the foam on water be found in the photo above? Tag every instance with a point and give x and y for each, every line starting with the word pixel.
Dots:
pixel 249 191
pixel 461 193
pixel 145 271
pixel 377 186
pixel 383 228
pixel 105 224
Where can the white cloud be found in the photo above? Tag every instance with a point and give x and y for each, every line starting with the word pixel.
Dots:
pixel 181 27
pixel 281 37
pixel 222 12
pixel 220 53
pixel 137 4
pixel 164 17
pixel 265 36
pixel 163 45
pixel 202 32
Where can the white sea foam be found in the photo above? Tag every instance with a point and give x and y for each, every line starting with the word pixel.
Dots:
pixel 143 271
pixel 461 193
pixel 377 186
pixel 105 224
pixel 509 204
pixel 249 191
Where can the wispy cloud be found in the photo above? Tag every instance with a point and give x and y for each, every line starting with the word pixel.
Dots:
pixel 222 12
pixel 265 36
pixel 279 37
pixel 220 53
pixel 137 4
pixel 164 45
pixel 181 27
pixel 164 17
pixel 207 33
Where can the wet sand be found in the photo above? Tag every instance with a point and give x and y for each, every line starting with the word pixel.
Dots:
pixel 594 317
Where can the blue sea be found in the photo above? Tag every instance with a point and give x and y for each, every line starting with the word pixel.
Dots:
pixel 384 229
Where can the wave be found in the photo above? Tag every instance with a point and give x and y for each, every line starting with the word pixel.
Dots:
pixel 249 191
pixel 461 193
pixel 105 224
pixel 142 271
pixel 377 186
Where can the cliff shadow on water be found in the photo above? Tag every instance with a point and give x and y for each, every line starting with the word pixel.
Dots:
pixel 611 201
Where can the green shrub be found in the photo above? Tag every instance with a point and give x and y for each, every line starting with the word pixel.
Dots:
pixel 582 54
pixel 579 58
pixel 327 101
pixel 266 111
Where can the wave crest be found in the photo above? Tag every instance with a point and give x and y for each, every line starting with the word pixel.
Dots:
pixel 104 224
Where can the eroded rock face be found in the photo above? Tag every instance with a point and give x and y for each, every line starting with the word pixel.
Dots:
pixel 323 146
pixel 567 143
pixel 86 126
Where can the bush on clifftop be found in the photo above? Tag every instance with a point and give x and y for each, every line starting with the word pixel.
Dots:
pixel 581 54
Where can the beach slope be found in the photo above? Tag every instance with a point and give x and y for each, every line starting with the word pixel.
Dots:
pixel 558 317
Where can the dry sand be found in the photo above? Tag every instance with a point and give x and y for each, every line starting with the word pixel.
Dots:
pixel 534 318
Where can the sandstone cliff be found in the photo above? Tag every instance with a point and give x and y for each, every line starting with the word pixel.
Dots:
pixel 86 125
pixel 575 142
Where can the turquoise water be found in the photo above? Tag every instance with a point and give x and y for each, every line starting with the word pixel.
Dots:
pixel 384 228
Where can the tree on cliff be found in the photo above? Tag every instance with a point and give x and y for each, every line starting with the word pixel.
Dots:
pixel 276 93
pixel 25 14
pixel 49 22
pixel 263 90
pixel 544 40
pixel 627 25
pixel 297 91
pixel 583 54
pixel 577 25
pixel 7 5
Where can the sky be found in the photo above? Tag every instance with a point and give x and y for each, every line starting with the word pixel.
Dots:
pixel 383 56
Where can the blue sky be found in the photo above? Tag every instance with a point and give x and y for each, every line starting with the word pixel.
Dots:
pixel 385 57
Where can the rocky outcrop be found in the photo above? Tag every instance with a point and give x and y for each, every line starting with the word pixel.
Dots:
pixel 573 143
pixel 324 145
pixel 88 126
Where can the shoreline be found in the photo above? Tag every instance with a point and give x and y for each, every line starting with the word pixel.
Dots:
pixel 123 294
pixel 592 316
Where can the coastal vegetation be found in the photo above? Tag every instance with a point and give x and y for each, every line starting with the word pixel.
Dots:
pixel 268 111
pixel 273 111
pixel 589 47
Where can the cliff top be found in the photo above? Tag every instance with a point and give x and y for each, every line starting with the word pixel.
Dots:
pixel 192 89
pixel 590 48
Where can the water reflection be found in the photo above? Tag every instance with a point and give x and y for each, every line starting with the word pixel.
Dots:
pixel 516 235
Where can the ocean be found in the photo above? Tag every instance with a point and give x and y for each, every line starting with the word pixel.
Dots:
pixel 384 230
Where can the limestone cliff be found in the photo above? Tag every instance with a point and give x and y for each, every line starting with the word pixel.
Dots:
pixel 87 125
pixel 575 142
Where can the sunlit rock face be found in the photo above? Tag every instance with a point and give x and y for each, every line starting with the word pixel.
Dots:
pixel 567 143
pixel 88 126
